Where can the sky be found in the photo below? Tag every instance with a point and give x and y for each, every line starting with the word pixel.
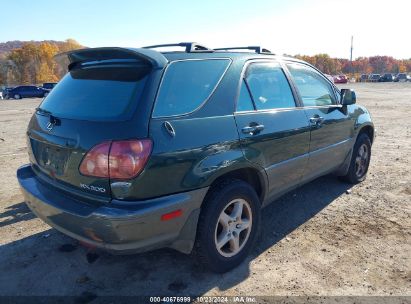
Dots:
pixel 283 26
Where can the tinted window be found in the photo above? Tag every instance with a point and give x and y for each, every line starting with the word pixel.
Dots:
pixel 187 84
pixel 313 88
pixel 97 93
pixel 244 102
pixel 48 85
pixel 269 86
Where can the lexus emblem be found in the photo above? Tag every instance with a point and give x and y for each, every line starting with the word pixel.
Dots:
pixel 50 126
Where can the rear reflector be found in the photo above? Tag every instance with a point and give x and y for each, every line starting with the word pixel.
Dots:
pixel 171 215
pixel 117 160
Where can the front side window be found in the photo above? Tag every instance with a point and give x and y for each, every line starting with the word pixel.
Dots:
pixel 186 85
pixel 269 86
pixel 313 88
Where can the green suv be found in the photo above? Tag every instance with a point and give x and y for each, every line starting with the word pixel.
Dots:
pixel 137 149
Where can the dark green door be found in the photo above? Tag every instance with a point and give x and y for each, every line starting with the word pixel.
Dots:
pixel 274 133
pixel 331 130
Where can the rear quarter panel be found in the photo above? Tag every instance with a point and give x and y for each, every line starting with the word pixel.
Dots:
pixel 201 150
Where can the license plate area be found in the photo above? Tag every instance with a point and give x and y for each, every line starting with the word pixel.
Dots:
pixel 51 158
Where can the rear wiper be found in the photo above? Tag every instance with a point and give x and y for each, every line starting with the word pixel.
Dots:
pixel 42 111
pixel 53 119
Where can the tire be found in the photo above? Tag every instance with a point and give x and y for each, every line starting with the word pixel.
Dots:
pixel 17 96
pixel 223 240
pixel 360 160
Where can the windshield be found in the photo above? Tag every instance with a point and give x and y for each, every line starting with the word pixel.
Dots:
pixel 97 92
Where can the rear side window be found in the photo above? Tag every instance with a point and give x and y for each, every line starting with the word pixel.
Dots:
pixel 244 102
pixel 186 85
pixel 314 89
pixel 98 93
pixel 269 86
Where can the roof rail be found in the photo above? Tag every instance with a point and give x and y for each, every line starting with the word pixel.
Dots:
pixel 190 47
pixel 257 49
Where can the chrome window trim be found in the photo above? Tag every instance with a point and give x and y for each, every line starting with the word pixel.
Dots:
pixel 244 70
pixel 289 109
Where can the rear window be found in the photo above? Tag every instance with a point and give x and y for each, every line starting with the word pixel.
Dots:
pixel 98 92
pixel 48 85
pixel 186 85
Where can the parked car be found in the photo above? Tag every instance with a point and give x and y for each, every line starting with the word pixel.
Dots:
pixel 402 77
pixel 25 91
pixel 6 91
pixel 363 78
pixel 340 79
pixel 161 150
pixel 330 78
pixel 2 92
pixel 48 86
pixel 374 77
pixel 387 77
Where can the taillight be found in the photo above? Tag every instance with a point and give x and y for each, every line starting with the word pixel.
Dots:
pixel 95 163
pixel 118 159
pixel 128 158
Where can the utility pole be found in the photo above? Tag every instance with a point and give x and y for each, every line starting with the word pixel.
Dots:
pixel 352 38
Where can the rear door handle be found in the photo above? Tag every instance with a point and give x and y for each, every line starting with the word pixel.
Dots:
pixel 252 129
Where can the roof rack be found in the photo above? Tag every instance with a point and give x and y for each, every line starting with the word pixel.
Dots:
pixel 257 49
pixel 190 47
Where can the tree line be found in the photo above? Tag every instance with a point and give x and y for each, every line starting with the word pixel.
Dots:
pixel 361 65
pixel 33 63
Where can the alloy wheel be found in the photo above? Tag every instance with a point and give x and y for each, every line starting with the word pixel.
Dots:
pixel 233 227
pixel 361 161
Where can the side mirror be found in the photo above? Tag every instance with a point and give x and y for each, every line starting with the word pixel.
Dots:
pixel 348 97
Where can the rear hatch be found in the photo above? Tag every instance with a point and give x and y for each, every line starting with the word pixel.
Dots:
pixel 102 98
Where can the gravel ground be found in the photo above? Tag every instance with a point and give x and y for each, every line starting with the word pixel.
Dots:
pixel 326 238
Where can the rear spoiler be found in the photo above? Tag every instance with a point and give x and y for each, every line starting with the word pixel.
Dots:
pixel 156 59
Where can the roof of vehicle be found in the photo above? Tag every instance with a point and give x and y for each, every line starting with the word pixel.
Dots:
pixel 158 58
pixel 25 86
pixel 193 50
pixel 172 56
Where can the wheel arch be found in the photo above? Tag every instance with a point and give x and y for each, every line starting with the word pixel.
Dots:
pixel 365 128
pixel 369 130
pixel 256 177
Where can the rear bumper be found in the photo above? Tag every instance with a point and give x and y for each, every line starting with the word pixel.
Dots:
pixel 120 227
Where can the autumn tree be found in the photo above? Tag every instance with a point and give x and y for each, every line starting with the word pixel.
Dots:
pixel 323 62
pixel 34 62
